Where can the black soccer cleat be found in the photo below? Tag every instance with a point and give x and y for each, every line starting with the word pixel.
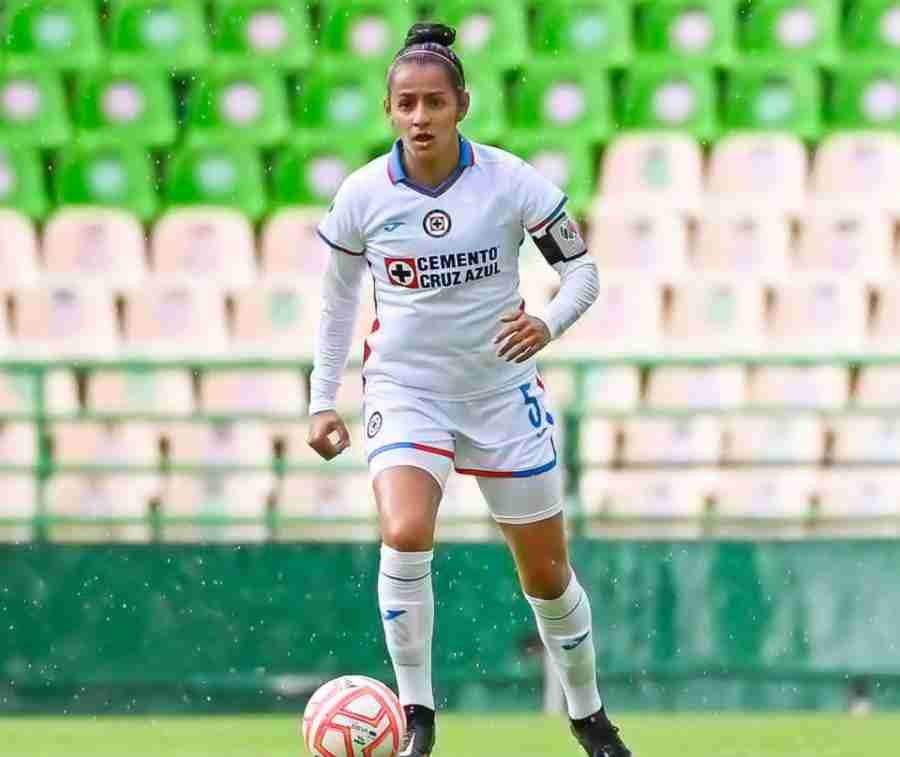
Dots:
pixel 599 737
pixel 418 741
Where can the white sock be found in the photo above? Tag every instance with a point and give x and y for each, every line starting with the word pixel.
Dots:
pixel 407 614
pixel 565 627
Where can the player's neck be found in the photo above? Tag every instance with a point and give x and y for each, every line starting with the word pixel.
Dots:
pixel 432 173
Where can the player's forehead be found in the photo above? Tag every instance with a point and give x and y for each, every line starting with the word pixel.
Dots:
pixel 412 78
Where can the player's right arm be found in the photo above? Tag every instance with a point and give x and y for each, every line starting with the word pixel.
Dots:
pixel 328 434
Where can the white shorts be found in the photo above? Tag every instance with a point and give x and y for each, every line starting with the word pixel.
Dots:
pixel 505 440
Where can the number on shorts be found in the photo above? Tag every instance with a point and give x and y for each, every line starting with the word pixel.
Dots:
pixel 534 409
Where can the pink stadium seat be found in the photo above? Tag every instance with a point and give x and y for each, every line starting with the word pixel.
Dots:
pixel 860 493
pixel 660 170
pixel 18 444
pixel 716 316
pixel 560 384
pixel 463 499
pixel 277 319
pixel 878 386
pixel 884 336
pixel 819 387
pixel 859 167
pixel 744 243
pixel 65 320
pixel 18 499
pixel 101 245
pixel 128 444
pixel 611 387
pixel 798 439
pixel 270 392
pixel 598 440
pixel 767 170
pixel 212 245
pixel 171 320
pixel 693 440
pixel 772 492
pixel 699 388
pixel 18 252
pixel 220 444
pixel 649 494
pixel 97 497
pixel 866 439
pixel 164 391
pixel 291 246
pixel 6 343
pixel 327 496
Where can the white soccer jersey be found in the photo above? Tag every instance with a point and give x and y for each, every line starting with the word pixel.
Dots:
pixel 445 263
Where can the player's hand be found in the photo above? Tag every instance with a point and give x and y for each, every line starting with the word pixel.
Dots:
pixel 327 434
pixel 521 337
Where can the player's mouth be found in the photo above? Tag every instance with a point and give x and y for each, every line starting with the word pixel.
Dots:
pixel 423 140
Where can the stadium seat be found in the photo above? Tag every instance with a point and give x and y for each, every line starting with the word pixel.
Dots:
pixel 207 245
pixel 22 183
pixel 625 320
pixel 612 387
pixel 859 493
pixel 270 392
pixel 764 170
pixel 275 33
pixel 698 30
pixel 866 439
pixel 846 240
pixel 165 35
pixel 363 32
pixel 788 30
pixel 489 35
pixel 215 502
pixel 588 32
pixel 19 496
pixel 18 444
pixel 560 383
pixel 6 344
pixel 463 499
pixel 32 110
pixel 18 251
pixel 220 445
pixel 716 316
pixel 217 175
pixel 768 96
pixel 276 319
pixel 698 388
pixel 819 387
pixel 689 441
pixel 237 107
pixel 172 320
pixel 649 495
pixel 817 314
pixel 878 386
pixel 597 444
pixel 885 327
pixel 871 30
pixel 743 243
pixel 659 171
pixel 670 95
pixel 291 246
pixel 797 439
pixel 100 245
pixel 569 100
pixel 18 392
pixel 308 495
pixel 640 241
pixel 52 34
pixel 486 119
pixel 311 175
pixel 340 104
pixel 865 95
pixel 863 167
pixel 121 177
pixel 65 321
pixel 95 498
pixel 140 391
pixel 769 493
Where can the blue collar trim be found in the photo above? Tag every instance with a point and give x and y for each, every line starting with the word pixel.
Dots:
pixel 397 173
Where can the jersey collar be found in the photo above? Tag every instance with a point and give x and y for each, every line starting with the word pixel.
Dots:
pixel 397 174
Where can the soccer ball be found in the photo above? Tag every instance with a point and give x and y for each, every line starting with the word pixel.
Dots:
pixel 353 716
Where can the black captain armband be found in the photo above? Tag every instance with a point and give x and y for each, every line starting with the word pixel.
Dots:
pixel 560 240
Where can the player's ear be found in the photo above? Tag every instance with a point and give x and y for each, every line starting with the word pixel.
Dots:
pixel 464 101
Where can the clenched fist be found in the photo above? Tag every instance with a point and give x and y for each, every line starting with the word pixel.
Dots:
pixel 328 435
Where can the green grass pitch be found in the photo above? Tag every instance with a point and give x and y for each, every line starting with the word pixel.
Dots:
pixel 701 735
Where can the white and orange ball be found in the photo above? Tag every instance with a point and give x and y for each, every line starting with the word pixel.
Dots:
pixel 353 716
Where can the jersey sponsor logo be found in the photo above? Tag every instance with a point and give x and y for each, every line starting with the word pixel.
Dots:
pixel 437 223
pixel 374 424
pixel 402 272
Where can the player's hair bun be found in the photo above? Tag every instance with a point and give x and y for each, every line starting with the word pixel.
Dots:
pixel 419 34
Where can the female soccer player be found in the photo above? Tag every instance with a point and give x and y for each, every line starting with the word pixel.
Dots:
pixel 449 369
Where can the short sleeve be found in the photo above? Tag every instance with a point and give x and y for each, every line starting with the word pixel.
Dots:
pixel 340 229
pixel 540 199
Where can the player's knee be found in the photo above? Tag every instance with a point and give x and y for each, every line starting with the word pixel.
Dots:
pixel 546 580
pixel 407 535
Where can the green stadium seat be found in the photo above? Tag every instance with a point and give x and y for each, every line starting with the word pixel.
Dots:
pixel 113 176
pixel 342 102
pixel 311 176
pixel 168 35
pixel 566 162
pixel 32 110
pixel 584 31
pixel 562 97
pixel 791 30
pixel 53 34
pixel 774 97
pixel 703 31
pixel 488 34
pixel 248 107
pixel 22 182
pixel 270 32
pixel 872 29
pixel 369 31
pixel 134 108
pixel 217 175
pixel 486 120
pixel 663 95
pixel 865 96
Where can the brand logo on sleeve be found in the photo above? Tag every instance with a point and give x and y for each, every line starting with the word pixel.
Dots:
pixel 402 272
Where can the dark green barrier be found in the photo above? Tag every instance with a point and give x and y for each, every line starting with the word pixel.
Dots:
pixel 225 628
